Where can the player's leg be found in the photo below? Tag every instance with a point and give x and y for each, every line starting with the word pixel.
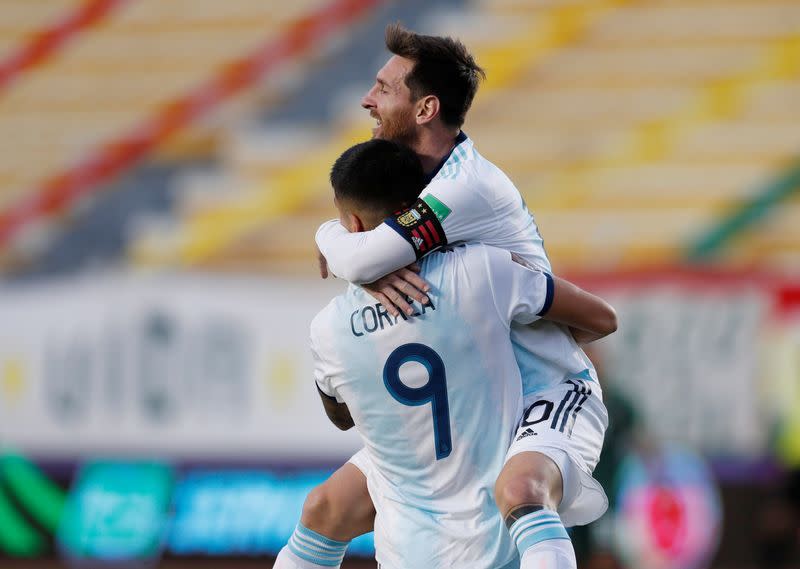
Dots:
pixel 334 513
pixel 528 492
pixel 546 483
pixel 340 508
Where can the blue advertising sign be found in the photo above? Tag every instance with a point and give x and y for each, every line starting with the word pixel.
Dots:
pixel 242 513
pixel 116 512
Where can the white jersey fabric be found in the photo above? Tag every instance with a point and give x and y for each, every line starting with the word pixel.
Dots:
pixel 436 399
pixel 485 207
pixel 481 204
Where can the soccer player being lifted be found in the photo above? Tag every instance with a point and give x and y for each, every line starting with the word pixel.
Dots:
pixel 420 98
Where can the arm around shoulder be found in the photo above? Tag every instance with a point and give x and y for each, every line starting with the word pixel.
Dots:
pixel 363 257
pixel 530 293
pixel 589 317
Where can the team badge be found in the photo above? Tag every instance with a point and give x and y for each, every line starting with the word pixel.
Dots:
pixel 409 218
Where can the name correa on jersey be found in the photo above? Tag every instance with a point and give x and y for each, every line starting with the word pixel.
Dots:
pixel 421 225
pixel 371 318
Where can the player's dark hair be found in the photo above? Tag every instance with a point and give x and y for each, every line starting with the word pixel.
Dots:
pixel 442 67
pixel 378 175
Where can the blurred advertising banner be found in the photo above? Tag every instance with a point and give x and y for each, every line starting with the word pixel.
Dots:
pixel 191 367
pixel 668 511
pixel 242 513
pixel 116 512
pixel 185 367
pixel 697 353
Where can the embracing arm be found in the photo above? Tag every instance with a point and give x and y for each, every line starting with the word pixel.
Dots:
pixel 383 256
pixel 363 257
pixel 337 412
pixel 588 317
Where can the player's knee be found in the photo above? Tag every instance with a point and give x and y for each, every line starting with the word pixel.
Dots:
pixel 317 512
pixel 518 491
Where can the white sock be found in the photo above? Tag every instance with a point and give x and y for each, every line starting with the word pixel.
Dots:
pixel 550 554
pixel 541 540
pixel 309 550
pixel 288 560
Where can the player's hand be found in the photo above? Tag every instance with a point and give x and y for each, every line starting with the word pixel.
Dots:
pixel 323 264
pixel 393 290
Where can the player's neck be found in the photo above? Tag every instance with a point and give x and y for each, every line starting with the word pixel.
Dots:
pixel 433 146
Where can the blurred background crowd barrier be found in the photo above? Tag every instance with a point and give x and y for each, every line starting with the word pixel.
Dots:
pixel 163 167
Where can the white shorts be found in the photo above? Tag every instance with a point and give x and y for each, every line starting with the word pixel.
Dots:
pixel 567 423
pixel 361 461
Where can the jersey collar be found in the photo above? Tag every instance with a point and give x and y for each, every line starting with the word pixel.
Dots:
pixel 459 139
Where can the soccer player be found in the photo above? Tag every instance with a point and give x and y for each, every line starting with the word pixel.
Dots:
pixel 435 395
pixel 421 97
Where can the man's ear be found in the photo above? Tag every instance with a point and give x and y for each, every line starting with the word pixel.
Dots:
pixel 427 109
pixel 351 221
pixel 354 223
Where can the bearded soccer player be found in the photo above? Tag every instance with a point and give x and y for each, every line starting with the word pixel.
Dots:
pixel 421 98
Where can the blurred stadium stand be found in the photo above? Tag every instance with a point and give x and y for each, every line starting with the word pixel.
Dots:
pixel 92 109
pixel 632 128
pixel 628 146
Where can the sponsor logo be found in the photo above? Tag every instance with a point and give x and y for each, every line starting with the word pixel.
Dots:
pixel 527 433
pixel 418 243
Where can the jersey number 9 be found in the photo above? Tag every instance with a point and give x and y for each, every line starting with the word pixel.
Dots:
pixel 433 392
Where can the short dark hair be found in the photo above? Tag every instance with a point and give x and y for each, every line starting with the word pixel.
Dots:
pixel 442 67
pixel 379 175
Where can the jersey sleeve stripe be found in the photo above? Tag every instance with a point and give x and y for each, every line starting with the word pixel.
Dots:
pixel 548 300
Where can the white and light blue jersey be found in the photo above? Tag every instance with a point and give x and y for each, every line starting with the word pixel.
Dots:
pixel 436 398
pixel 474 201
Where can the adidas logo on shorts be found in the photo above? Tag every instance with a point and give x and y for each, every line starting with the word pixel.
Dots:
pixel 527 433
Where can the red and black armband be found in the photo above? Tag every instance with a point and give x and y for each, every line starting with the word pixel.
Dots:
pixel 420 226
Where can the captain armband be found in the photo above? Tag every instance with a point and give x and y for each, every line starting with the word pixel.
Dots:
pixel 420 226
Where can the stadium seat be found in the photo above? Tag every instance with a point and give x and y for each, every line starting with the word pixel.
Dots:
pixel 624 122
pixel 629 126
pixel 116 74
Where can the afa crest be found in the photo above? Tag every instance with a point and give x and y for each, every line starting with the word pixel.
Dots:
pixel 409 218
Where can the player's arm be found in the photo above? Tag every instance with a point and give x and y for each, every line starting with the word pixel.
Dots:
pixel 588 317
pixel 380 260
pixel 363 257
pixel 337 412
pixel 383 257
pixel 447 212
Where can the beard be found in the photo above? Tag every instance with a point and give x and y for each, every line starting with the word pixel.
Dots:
pixel 401 128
